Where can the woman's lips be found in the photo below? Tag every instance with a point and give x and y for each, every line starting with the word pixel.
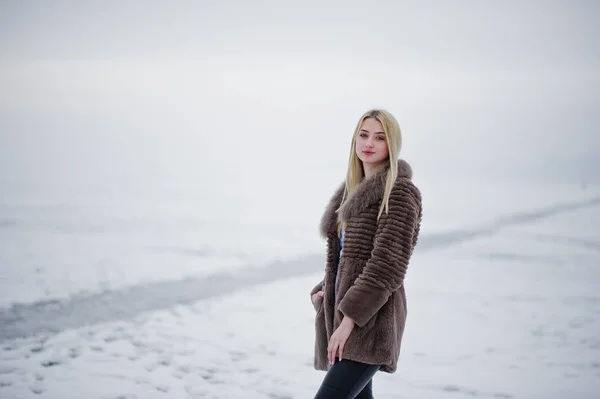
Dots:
pixel 368 152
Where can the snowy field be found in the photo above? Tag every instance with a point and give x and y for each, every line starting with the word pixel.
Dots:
pixel 505 305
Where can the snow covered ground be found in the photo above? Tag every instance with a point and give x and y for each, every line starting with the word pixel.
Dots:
pixel 504 308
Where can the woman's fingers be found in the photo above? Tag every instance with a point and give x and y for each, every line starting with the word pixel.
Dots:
pixel 314 298
pixel 341 350
pixel 332 350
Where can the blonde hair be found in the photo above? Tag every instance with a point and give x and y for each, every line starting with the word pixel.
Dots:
pixel 355 173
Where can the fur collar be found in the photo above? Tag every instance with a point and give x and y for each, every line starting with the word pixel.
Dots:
pixel 368 192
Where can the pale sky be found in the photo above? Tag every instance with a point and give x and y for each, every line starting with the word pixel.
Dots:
pixel 508 87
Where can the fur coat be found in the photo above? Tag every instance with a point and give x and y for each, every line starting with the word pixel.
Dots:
pixel 370 274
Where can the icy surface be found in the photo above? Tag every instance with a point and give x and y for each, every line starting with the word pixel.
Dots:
pixel 511 311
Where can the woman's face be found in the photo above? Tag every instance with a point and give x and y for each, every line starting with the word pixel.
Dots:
pixel 371 144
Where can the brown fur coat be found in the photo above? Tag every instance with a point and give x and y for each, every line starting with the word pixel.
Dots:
pixel 375 258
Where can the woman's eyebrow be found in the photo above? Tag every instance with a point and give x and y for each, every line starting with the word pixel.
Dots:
pixel 366 131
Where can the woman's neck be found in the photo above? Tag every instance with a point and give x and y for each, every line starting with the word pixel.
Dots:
pixel 370 169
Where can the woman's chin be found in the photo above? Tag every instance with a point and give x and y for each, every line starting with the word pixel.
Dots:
pixel 371 161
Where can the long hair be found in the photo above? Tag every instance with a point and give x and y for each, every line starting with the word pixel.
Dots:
pixel 355 173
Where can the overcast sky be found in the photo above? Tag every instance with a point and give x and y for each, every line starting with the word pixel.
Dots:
pixel 508 87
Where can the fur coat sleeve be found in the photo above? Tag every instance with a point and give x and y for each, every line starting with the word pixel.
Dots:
pixel 392 248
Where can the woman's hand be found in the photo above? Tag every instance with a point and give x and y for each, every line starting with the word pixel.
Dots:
pixel 315 297
pixel 338 339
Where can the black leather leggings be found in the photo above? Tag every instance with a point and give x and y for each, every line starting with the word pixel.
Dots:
pixel 348 379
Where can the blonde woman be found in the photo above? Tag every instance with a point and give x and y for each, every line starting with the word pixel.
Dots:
pixel 371 225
